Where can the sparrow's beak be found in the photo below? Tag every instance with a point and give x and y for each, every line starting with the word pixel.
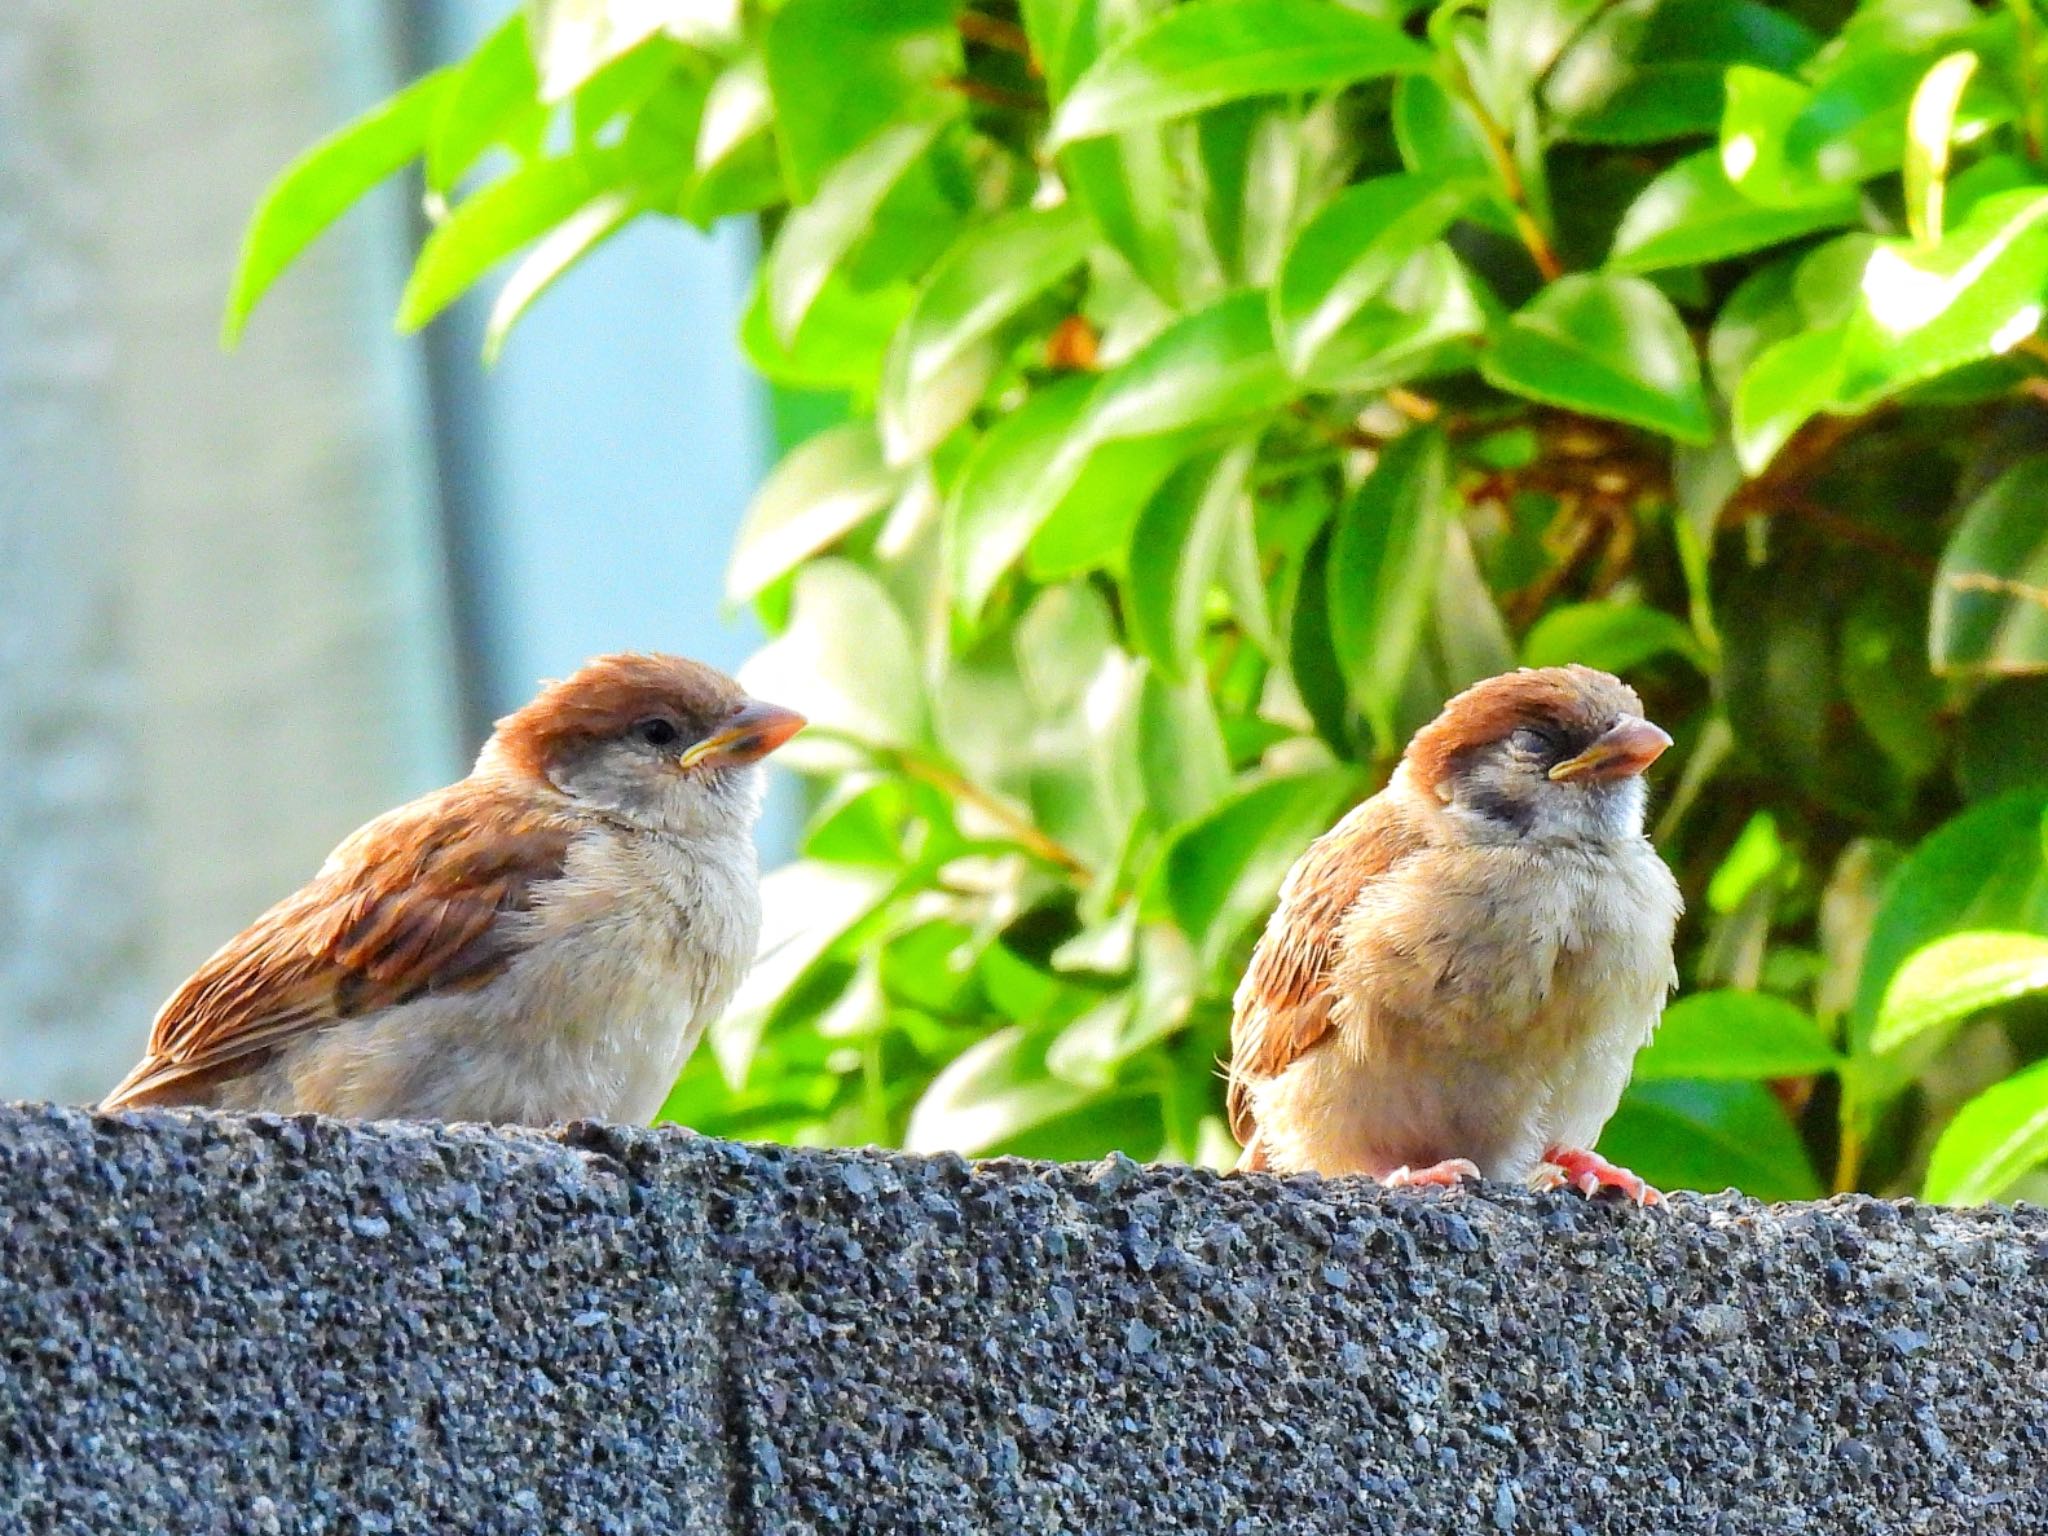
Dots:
pixel 1629 746
pixel 752 731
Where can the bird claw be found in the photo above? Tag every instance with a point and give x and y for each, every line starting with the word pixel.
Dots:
pixel 1448 1174
pixel 1589 1173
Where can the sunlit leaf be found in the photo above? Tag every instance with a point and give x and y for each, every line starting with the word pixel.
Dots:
pixel 1995 1140
pixel 323 183
pixel 1692 214
pixel 495 99
pixel 820 490
pixel 1212 51
pixel 868 693
pixel 1615 637
pixel 1991 590
pixel 1954 977
pixel 552 255
pixel 1609 346
pixel 1930 128
pixel 989 1093
pixel 1708 1136
pixel 1735 1035
pixel 1175 553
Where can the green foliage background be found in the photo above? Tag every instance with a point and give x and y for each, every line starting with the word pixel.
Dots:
pixel 1216 387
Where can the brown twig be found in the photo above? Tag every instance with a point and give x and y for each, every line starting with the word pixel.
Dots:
pixel 1002 36
pixel 994 95
pixel 1017 827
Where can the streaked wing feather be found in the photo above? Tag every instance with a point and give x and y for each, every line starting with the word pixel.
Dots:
pixel 409 904
pixel 1283 1005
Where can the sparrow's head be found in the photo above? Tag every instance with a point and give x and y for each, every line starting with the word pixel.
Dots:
pixel 667 743
pixel 1551 753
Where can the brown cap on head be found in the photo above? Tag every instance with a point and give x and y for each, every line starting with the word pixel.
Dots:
pixel 1577 703
pixel 608 697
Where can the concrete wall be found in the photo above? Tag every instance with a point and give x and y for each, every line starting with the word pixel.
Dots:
pixel 293 1325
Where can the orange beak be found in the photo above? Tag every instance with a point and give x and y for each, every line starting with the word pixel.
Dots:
pixel 754 730
pixel 1628 747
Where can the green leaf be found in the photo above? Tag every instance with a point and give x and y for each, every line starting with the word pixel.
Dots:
pixel 1930 128
pixel 552 255
pixel 1994 1141
pixel 1615 637
pixel 1211 51
pixel 1352 250
pixel 1708 1136
pixel 843 72
pixel 494 100
pixel 1608 346
pixel 1427 322
pixel 321 185
pixel 993 1091
pixel 823 488
pixel 1221 873
pixel 1648 70
pixel 1062 641
pixel 1692 214
pixel 1981 870
pixel 1977 294
pixel 574 39
pixel 1787 384
pixel 980 283
pixel 1991 589
pixel 1948 980
pixel 1213 366
pixel 734 160
pixel 1180 749
pixel 807 907
pixel 1735 1035
pixel 1002 495
pixel 1384 557
pixel 815 239
pixel 869 693
pixel 1998 740
pixel 1176 550
pixel 485 229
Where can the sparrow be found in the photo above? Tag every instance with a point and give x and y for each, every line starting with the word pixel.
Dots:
pixel 543 941
pixel 1458 975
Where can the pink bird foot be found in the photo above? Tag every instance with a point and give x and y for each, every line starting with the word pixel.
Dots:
pixel 1448 1174
pixel 1589 1173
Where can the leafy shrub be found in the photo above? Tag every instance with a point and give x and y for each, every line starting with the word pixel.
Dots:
pixel 1218 386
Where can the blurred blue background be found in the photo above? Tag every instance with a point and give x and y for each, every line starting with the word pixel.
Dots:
pixel 251 600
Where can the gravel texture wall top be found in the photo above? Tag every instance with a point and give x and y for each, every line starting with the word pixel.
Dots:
pixel 270 1325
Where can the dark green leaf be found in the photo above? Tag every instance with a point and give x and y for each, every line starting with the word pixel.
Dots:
pixel 1383 562
pixel 321 185
pixel 1608 346
pixel 1787 384
pixel 1991 590
pixel 1710 1136
pixel 1212 51
pixel 1213 366
pixel 1999 738
pixel 1994 1141
pixel 1735 1035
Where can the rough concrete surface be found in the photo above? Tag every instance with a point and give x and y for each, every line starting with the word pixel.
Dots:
pixel 271 1325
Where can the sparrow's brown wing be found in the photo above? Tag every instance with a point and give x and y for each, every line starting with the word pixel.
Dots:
pixel 407 905
pixel 1283 1003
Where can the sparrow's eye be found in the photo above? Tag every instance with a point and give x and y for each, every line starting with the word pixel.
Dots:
pixel 1534 742
pixel 658 732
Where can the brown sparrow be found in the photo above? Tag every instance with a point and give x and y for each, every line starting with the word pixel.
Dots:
pixel 543 941
pixel 1460 972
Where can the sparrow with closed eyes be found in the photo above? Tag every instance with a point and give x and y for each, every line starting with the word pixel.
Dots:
pixel 543 941
pixel 1458 975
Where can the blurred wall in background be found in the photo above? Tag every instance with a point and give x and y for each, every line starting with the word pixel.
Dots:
pixel 252 599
